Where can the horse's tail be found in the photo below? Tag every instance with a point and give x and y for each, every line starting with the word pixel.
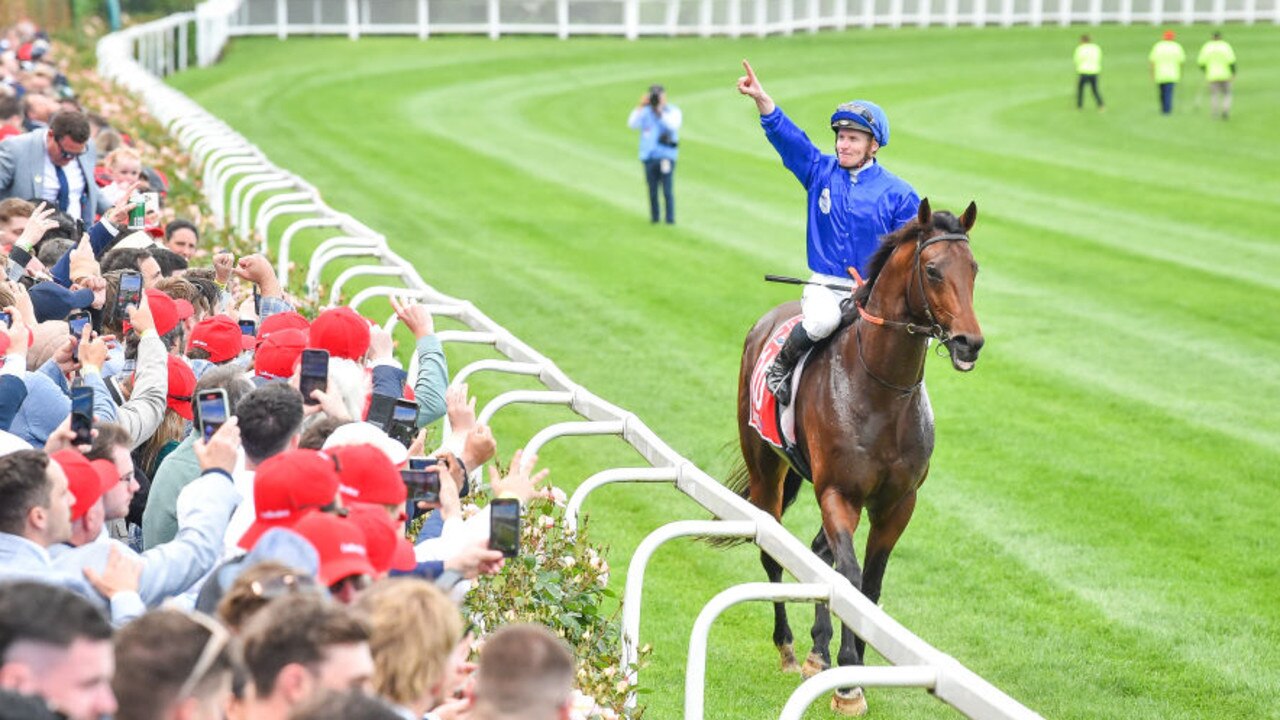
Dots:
pixel 739 481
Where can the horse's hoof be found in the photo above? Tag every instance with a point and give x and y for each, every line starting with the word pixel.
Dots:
pixel 813 665
pixel 787 655
pixel 852 703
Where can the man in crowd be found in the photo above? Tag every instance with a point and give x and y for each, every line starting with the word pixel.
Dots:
pixel 525 672
pixel 56 645
pixel 1088 60
pixel 1218 61
pixel 1166 59
pixel 659 125
pixel 54 164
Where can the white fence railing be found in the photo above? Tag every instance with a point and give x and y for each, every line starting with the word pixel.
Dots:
pixel 236 173
pixel 165 47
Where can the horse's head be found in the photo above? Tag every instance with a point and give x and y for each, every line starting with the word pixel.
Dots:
pixel 926 270
pixel 944 273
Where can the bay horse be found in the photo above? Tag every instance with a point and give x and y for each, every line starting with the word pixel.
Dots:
pixel 862 416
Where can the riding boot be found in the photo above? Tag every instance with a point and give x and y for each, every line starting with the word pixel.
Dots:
pixel 778 377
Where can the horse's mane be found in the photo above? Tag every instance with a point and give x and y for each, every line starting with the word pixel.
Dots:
pixel 942 220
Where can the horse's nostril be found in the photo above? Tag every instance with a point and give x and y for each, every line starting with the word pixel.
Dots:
pixel 969 342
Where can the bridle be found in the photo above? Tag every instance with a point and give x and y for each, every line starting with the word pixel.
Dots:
pixel 933 329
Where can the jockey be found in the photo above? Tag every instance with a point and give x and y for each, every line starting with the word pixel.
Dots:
pixel 853 202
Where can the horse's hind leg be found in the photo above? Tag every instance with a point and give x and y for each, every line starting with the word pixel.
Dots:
pixel 767 471
pixel 820 656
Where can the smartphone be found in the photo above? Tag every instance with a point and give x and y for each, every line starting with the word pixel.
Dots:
pixel 381 408
pixel 404 421
pixel 6 318
pixel 504 526
pixel 14 271
pixel 82 414
pixel 130 293
pixel 113 387
pixel 78 319
pixel 314 374
pixel 422 482
pixel 211 411
pixel 248 327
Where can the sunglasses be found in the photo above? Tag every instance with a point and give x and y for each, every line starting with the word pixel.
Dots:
pixel 858 110
pixel 219 637
pixel 282 585
pixel 66 155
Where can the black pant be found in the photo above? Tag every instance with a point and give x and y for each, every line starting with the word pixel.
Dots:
pixel 1092 82
pixel 1166 97
pixel 654 177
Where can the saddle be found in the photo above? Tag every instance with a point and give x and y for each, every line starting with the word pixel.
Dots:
pixel 772 420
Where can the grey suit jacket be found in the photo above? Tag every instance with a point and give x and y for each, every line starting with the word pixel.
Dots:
pixel 22 171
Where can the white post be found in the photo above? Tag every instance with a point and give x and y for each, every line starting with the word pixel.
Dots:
pixel 562 19
pixel 953 13
pixel 1189 11
pixel 1064 12
pixel 695 675
pixel 282 19
pixel 814 13
pixel 979 13
pixel 762 16
pixel 1126 12
pixel 424 20
pixel 868 13
pixel 495 20
pixel 735 18
pixel 924 13
pixel 895 13
pixel 353 20
pixel 1006 13
pixel 1250 11
pixel 788 17
pixel 1095 11
pixel 1219 11
pixel 842 14
pixel 183 30
pixel 631 18
pixel 1157 11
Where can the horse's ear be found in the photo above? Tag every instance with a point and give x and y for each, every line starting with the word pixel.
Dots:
pixel 970 216
pixel 925 215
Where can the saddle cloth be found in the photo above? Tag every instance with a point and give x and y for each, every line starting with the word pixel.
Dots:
pixel 772 422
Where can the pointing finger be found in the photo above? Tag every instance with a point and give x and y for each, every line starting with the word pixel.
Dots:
pixel 751 74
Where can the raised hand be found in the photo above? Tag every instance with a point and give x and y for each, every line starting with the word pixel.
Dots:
pixel 749 85
pixel 415 317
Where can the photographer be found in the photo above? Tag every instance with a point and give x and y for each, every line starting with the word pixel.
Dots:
pixel 659 126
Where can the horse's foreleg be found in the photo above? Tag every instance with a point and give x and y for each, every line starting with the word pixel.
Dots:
pixel 839 521
pixel 886 528
pixel 820 656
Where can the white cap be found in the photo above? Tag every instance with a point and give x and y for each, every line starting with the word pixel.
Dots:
pixel 364 433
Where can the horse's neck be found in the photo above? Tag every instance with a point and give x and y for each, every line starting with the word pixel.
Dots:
pixel 891 353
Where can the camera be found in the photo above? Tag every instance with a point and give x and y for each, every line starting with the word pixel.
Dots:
pixel 655 96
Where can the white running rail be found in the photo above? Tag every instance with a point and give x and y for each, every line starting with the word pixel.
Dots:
pixel 139 56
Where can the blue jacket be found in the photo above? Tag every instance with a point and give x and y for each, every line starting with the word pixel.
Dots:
pixel 21 559
pixel 848 214
pixel 651 126
pixel 101 237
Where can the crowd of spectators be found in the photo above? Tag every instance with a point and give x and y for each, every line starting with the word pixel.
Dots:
pixel 158 562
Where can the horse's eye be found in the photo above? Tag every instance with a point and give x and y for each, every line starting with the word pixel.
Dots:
pixel 933 273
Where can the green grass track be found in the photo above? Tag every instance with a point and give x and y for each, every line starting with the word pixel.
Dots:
pixel 1098 536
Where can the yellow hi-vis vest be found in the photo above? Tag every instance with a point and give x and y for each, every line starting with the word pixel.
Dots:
pixel 1088 59
pixel 1166 59
pixel 1216 57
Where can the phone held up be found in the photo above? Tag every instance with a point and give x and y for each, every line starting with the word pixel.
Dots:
pixel 314 374
pixel 82 414
pixel 211 411
pixel 504 526
pixel 77 320
pixel 130 293
pixel 422 480
pixel 404 421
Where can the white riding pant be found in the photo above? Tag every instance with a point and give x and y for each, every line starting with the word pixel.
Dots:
pixel 821 305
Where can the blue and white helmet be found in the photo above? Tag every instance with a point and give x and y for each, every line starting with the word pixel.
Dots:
pixel 862 115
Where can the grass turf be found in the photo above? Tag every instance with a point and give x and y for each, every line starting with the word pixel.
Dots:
pixel 1098 534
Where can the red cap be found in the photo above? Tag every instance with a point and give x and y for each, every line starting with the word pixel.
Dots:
pixel 278 355
pixel 1168 35
pixel 368 476
pixel 166 311
pixel 88 483
pixel 388 549
pixel 285 486
pixel 289 320
pixel 340 543
pixel 342 332
pixel 182 387
pixel 219 336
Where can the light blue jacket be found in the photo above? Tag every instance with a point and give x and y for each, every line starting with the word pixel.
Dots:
pixel 204 508
pixel 848 213
pixel 21 559
pixel 652 125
